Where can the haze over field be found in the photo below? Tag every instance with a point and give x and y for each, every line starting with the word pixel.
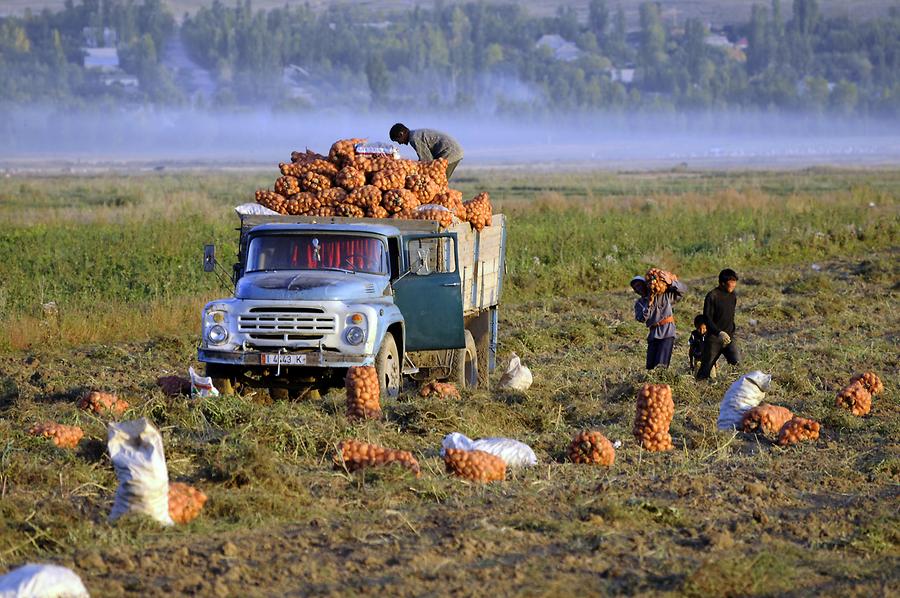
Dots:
pixel 50 140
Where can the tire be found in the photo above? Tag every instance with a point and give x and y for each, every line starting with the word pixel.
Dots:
pixel 388 367
pixel 279 394
pixel 465 365
pixel 222 379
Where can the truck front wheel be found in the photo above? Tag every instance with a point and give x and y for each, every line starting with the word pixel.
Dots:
pixel 465 364
pixel 223 378
pixel 387 365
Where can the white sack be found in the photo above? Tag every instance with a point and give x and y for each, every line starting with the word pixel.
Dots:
pixel 201 386
pixel 515 453
pixel 42 581
pixel 254 209
pixel 136 451
pixel 516 376
pixel 747 392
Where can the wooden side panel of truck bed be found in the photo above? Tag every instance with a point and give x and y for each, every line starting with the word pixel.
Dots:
pixel 481 257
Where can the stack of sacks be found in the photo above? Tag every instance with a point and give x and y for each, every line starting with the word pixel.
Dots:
pixel 363 393
pixel 857 396
pixel 653 416
pixel 347 184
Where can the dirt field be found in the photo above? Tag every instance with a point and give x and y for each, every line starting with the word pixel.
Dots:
pixel 724 514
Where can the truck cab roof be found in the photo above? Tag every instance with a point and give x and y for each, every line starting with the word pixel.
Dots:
pixel 377 229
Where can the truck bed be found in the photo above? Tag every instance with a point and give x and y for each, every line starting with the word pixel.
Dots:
pixel 482 254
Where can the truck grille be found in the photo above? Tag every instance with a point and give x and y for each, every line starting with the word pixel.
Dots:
pixel 286 323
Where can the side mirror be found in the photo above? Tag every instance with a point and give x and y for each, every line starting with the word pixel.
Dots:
pixel 209 258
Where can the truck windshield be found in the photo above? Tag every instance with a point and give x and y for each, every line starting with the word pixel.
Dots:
pixel 317 252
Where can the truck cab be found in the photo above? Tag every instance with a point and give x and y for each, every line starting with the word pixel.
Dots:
pixel 315 297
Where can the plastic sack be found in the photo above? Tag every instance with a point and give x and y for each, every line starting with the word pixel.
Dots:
pixel 513 452
pixel 201 386
pixel 747 392
pixel 378 148
pixel 136 451
pixel 254 209
pixel 432 206
pixel 42 581
pixel 517 376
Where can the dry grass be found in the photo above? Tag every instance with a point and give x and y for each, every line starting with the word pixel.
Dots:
pixel 723 514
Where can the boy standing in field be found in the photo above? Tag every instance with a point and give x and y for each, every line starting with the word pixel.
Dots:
pixel 718 309
pixel 656 312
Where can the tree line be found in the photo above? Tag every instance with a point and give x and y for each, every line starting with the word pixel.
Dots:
pixel 464 56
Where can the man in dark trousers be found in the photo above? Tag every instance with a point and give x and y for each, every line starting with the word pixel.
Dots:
pixel 656 313
pixel 718 309
pixel 429 145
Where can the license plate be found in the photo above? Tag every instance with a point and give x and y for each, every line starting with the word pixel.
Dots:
pixel 283 359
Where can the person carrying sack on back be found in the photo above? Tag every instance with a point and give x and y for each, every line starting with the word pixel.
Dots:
pixel 655 310
pixel 718 310
pixel 429 145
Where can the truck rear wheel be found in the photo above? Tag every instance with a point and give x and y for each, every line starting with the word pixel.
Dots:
pixel 465 364
pixel 387 365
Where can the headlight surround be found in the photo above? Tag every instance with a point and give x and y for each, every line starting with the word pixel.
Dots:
pixel 355 335
pixel 217 334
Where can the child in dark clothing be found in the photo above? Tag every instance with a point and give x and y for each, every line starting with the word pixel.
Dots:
pixel 695 343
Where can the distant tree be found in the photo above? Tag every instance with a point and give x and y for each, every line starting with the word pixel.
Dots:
pixel 816 93
pixel 598 19
pixel 567 22
pixel 653 45
pixel 759 48
pixel 377 76
pixel 844 97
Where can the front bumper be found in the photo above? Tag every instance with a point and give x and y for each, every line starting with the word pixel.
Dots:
pixel 316 359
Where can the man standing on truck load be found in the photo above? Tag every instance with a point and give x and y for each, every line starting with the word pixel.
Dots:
pixel 429 145
pixel 656 313
pixel 718 309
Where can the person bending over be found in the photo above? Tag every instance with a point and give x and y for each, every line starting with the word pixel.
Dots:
pixel 429 145
pixel 718 309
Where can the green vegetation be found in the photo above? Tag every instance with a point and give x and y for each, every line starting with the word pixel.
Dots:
pixel 469 56
pixel 721 515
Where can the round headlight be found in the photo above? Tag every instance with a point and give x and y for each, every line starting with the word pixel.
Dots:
pixel 355 335
pixel 217 334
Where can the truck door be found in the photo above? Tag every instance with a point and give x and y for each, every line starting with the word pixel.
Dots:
pixel 429 292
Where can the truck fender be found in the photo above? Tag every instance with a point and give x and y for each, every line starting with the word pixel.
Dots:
pixel 393 322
